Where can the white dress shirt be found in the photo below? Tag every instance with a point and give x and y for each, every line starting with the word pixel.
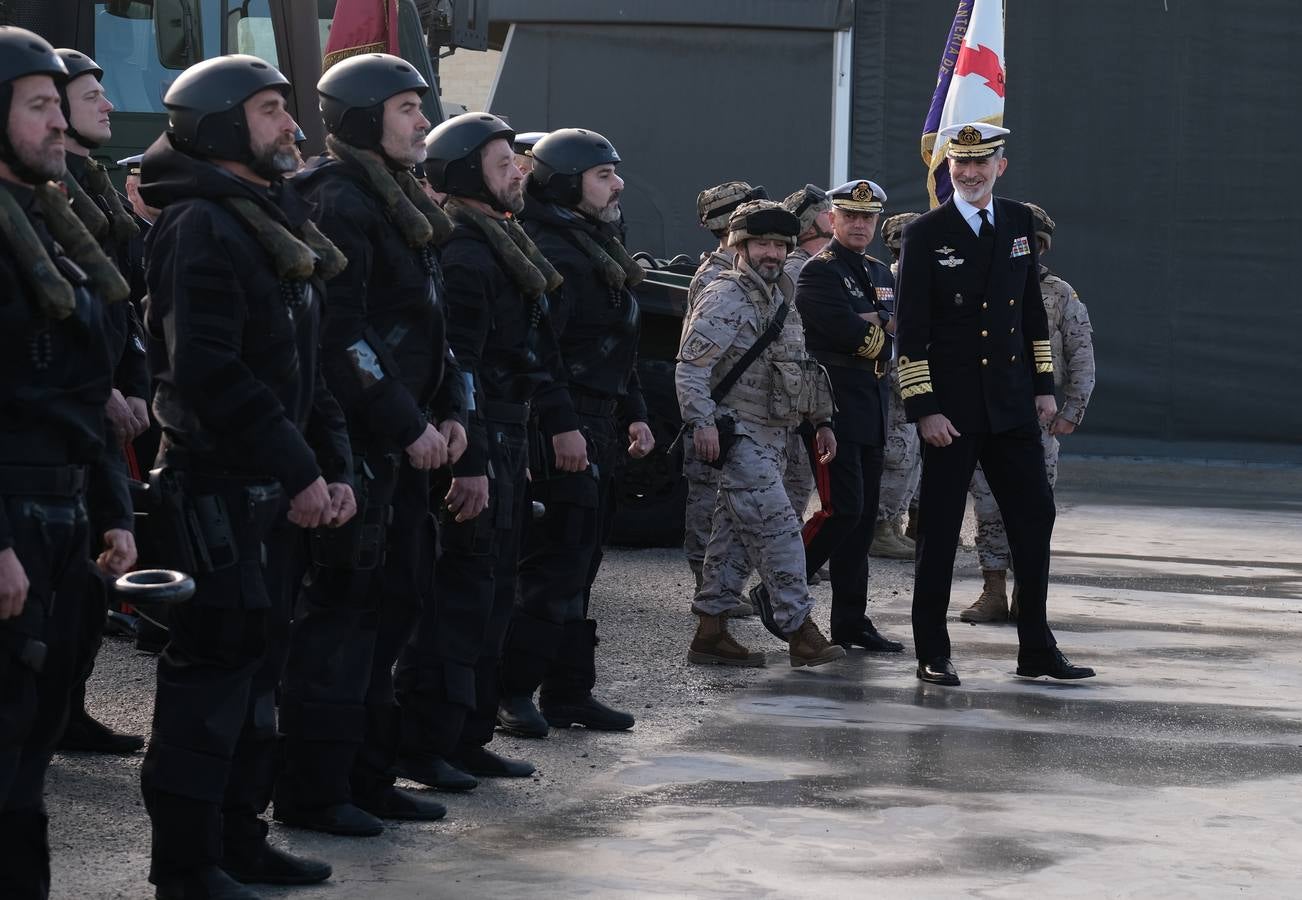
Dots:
pixel 971 214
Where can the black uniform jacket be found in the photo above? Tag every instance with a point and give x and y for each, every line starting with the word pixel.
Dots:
pixel 234 353
pixel 133 370
pixel 835 286
pixel 121 321
pixel 55 377
pixel 597 326
pixel 387 302
pixel 973 336
pixel 504 339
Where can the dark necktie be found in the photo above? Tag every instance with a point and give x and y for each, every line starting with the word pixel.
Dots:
pixel 987 230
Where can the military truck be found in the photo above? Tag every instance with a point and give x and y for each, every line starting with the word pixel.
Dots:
pixel 143 45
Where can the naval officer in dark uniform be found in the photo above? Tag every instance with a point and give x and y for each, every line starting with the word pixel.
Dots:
pixel 846 301
pixel 976 372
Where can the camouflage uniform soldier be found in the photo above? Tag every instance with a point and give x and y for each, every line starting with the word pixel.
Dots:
pixel 1072 341
pixel 713 206
pixel 745 434
pixel 814 210
pixel 902 462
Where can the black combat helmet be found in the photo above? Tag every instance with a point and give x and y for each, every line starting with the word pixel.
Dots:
pixel 22 53
pixel 205 105
pixel 77 64
pixel 561 158
pixel 353 92
pixel 452 157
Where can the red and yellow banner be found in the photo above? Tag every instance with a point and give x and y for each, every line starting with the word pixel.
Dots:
pixel 361 26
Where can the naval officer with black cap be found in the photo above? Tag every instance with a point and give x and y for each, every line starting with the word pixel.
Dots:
pixel 522 145
pixel 976 372
pixel 846 299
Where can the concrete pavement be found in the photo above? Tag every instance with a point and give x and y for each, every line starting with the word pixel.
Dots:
pixel 1175 772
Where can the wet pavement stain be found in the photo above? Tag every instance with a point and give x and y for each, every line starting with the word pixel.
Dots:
pixel 1172 774
pixel 1175 773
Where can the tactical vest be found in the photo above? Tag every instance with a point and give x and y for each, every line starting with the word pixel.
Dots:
pixel 784 384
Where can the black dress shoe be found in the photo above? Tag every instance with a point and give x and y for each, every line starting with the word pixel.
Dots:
pixel 435 772
pixel 938 670
pixel 486 764
pixel 1053 664
pixel 406 806
pixel 85 735
pixel 209 883
pixel 343 818
pixel 271 865
pixel 867 637
pixel 588 712
pixel 519 716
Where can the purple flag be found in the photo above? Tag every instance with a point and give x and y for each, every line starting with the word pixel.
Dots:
pixel 938 185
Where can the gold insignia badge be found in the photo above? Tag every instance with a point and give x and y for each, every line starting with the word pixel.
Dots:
pixel 967 136
pixel 862 192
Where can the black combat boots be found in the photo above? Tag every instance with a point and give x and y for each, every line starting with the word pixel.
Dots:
pixel 566 697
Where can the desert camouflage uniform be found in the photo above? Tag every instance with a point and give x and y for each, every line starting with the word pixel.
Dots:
pixel 1073 365
pixel 712 265
pixel 902 458
pixel 702 480
pixel 755 526
pixel 798 476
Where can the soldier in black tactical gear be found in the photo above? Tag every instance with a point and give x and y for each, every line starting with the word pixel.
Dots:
pixel 148 635
pixel 572 213
pixel 59 483
pixel 253 444
pixel 97 203
pixel 500 330
pixel 385 357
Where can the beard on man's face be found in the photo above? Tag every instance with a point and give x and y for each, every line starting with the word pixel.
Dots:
pixel 43 160
pixel 511 198
pixel 609 213
pixel 769 268
pixel 273 159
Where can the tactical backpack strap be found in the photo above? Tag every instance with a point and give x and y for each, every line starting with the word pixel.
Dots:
pixel 734 374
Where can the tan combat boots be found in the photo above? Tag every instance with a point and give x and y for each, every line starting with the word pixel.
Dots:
pixel 992 605
pixel 808 647
pixel 889 542
pixel 713 646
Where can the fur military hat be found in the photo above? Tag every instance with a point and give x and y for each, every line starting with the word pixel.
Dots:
pixel 714 205
pixel 805 204
pixel 893 229
pixel 1043 224
pixel 762 220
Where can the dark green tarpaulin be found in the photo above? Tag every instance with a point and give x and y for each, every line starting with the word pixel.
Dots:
pixel 1157 134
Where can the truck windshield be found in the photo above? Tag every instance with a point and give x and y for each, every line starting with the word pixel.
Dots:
pixel 126 46
pixel 127 49
pixel 135 78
